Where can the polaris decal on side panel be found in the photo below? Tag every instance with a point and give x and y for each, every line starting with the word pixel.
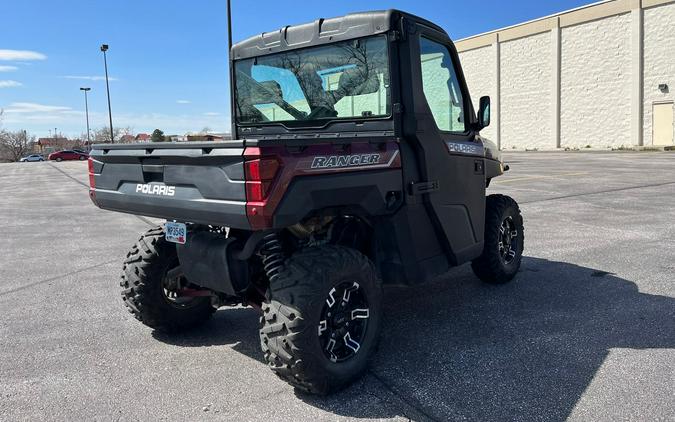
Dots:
pixel 338 161
pixel 465 148
pixel 155 189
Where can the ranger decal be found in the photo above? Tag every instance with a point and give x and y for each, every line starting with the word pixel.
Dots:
pixel 337 161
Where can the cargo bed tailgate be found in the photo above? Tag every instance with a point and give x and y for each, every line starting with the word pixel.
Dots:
pixel 189 182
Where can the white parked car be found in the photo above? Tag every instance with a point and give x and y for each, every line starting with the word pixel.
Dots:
pixel 32 157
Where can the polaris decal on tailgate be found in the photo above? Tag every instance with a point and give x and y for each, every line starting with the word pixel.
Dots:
pixel 336 161
pixel 155 189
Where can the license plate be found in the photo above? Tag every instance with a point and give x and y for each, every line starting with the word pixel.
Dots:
pixel 175 232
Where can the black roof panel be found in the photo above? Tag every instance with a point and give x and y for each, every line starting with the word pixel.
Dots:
pixel 322 31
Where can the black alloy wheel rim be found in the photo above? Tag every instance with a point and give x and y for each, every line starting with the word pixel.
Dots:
pixel 343 322
pixel 508 240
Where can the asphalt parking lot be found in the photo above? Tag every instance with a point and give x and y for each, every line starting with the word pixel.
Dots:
pixel 586 331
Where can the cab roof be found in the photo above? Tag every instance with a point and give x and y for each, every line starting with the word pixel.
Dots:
pixel 324 31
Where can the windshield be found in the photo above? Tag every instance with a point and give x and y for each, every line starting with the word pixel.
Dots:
pixel 344 80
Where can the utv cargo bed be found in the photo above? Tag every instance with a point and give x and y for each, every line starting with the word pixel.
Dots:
pixel 192 182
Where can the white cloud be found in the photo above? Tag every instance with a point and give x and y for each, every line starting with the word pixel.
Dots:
pixel 34 108
pixel 183 101
pixel 39 117
pixel 8 68
pixel 211 113
pixel 21 55
pixel 90 78
pixel 10 84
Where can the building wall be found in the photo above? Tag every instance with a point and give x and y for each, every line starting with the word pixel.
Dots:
pixel 525 92
pixel 587 76
pixel 659 61
pixel 478 66
pixel 595 83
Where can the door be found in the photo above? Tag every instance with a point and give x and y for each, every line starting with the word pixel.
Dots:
pixel 451 160
pixel 662 123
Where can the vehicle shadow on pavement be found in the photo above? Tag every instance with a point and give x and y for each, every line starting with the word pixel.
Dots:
pixel 234 327
pixel 460 349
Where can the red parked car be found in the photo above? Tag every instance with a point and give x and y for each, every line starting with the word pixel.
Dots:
pixel 68 155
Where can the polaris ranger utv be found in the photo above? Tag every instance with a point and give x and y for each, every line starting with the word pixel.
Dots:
pixel 357 162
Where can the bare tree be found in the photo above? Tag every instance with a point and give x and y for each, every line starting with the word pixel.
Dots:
pixel 102 135
pixel 15 145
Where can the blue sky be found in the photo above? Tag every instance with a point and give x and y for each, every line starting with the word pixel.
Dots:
pixel 169 58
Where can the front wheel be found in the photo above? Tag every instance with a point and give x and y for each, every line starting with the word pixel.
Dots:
pixel 322 321
pixel 504 241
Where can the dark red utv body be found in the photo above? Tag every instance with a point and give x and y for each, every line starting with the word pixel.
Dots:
pixel 357 162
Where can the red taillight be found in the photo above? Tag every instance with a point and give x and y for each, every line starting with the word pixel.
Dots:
pixel 261 169
pixel 260 173
pixel 92 180
pixel 254 192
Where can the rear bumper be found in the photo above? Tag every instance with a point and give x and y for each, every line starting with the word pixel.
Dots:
pixel 203 211
pixel 187 182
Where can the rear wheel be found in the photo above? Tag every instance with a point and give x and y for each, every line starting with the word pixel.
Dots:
pixel 82 158
pixel 323 318
pixel 153 289
pixel 58 159
pixel 504 241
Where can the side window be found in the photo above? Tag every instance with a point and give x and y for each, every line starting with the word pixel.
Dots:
pixel 441 87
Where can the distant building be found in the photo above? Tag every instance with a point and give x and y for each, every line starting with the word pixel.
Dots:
pixel 142 137
pixel 601 75
pixel 205 137
pixel 126 139
pixel 47 145
pixel 176 138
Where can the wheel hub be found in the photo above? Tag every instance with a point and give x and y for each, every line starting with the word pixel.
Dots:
pixel 173 286
pixel 508 240
pixel 343 321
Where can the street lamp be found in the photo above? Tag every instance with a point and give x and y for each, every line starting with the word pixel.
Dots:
pixel 104 48
pixel 86 108
pixel 230 68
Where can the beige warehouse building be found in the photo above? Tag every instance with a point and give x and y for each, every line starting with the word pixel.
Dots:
pixel 600 75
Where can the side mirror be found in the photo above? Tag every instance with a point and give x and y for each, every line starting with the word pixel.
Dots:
pixel 484 113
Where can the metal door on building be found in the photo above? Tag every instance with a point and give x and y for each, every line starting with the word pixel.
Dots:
pixel 662 123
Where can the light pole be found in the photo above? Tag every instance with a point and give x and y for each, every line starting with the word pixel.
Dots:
pixel 86 110
pixel 104 48
pixel 233 125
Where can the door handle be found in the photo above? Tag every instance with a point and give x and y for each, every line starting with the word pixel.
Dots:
pixel 420 188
